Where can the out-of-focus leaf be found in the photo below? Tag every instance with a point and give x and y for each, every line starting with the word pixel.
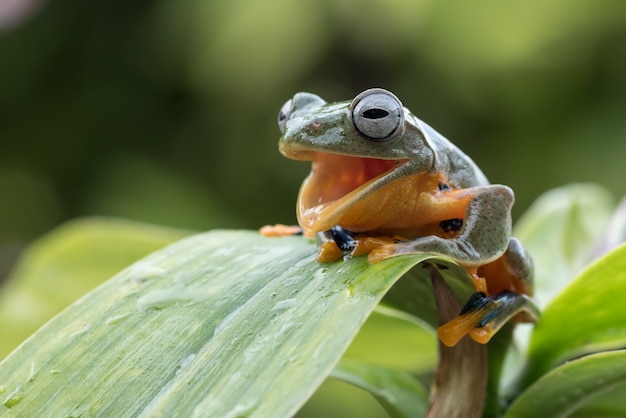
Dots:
pixel 560 230
pixel 588 316
pixel 573 385
pixel 615 233
pixel 65 264
pixel 338 399
pixel 137 188
pixel 406 345
pixel 400 393
pixel 390 340
pixel 607 404
pixel 219 324
pixel 219 28
pixel 519 43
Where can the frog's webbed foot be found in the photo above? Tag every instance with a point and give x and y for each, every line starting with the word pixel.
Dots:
pixel 338 241
pixel 482 316
pixel 333 243
pixel 483 234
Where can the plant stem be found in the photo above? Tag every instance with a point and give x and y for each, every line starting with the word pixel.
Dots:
pixel 460 383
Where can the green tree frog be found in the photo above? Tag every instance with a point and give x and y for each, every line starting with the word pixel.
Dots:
pixel 384 183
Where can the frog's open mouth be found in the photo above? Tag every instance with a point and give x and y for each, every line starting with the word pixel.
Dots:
pixel 336 184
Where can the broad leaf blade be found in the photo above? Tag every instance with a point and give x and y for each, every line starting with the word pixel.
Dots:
pixel 219 324
pixel 397 391
pixel 66 263
pixel 406 345
pixel 571 386
pixel 587 316
pixel 560 231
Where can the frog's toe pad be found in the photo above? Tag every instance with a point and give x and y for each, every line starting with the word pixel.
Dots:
pixel 329 251
pixel 381 251
pixel 482 316
pixel 369 245
pixel 451 332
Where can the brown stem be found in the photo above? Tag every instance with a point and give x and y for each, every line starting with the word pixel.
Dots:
pixel 461 378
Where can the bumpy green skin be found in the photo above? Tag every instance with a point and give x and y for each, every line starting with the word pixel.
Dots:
pixel 312 125
pixel 333 131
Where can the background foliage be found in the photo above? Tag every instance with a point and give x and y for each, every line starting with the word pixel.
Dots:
pixel 164 111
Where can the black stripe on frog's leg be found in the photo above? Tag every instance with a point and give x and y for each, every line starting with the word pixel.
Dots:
pixel 451 225
pixel 498 308
pixel 475 302
pixel 343 238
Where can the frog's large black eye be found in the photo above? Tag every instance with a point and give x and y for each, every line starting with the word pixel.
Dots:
pixel 377 114
pixel 283 115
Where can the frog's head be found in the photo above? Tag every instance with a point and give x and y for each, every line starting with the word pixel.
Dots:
pixel 355 148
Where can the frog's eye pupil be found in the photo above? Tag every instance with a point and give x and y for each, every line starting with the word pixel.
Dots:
pixel 377 114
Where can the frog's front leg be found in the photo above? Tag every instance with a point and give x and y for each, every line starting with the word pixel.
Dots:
pixel 333 243
pixel 337 241
pixel 483 232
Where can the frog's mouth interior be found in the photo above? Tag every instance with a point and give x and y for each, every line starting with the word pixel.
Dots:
pixel 336 182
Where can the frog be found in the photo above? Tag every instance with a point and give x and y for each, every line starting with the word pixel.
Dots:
pixel 384 183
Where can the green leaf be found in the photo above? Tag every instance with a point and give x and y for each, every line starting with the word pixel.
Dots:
pixel 571 386
pixel 560 231
pixel 66 263
pixel 397 390
pixel 218 324
pixel 615 233
pixel 407 345
pixel 588 316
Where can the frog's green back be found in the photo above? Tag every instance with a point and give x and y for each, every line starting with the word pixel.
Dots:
pixel 449 159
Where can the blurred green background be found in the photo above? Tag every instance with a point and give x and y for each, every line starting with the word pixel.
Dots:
pixel 164 111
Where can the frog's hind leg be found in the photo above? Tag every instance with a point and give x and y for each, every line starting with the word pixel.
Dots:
pixel 483 233
pixel 509 282
pixel 482 316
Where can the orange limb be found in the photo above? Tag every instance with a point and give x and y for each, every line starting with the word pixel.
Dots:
pixel 483 316
pixel 501 276
pixel 482 335
pixel 368 244
pixel 329 251
pixel 480 283
pixel 280 230
pixel 451 332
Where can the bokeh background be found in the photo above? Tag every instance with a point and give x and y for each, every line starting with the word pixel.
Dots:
pixel 164 111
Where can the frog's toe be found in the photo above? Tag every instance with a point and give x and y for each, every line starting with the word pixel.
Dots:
pixel 381 252
pixel 367 245
pixel 483 316
pixel 329 251
pixel 280 230
pixel 383 248
pixel 452 332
